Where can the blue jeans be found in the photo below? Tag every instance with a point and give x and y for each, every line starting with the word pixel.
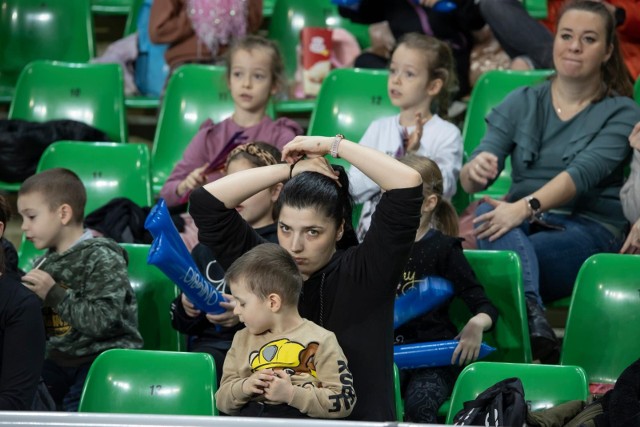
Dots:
pixel 518 33
pixel 551 259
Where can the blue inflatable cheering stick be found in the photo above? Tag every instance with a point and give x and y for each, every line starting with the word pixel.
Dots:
pixel 430 354
pixel 425 295
pixel 171 256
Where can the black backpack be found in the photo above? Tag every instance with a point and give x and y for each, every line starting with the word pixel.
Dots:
pixel 502 404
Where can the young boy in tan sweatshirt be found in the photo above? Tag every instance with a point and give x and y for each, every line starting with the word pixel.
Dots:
pixel 280 365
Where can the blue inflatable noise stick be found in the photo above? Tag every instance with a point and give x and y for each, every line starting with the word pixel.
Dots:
pixel 430 354
pixel 169 253
pixel 425 295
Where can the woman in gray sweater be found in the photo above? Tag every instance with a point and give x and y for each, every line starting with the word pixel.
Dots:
pixel 567 140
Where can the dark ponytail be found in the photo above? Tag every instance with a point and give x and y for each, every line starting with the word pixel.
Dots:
pixel 319 192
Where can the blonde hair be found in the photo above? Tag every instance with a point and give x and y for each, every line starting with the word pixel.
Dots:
pixel 444 217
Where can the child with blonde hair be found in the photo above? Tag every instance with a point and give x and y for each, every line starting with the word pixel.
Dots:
pixel 420 74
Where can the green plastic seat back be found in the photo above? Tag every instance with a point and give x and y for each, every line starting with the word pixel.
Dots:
pixel 112 7
pixel 491 89
pixel 150 382
pixel 154 293
pixel 88 93
pixel 349 100
pixel 397 390
pixel 43 29
pixel 500 274
pixel 131 26
pixel 636 91
pixel 194 93
pixel 544 385
pixel 602 333
pixel 107 170
pixel 538 9
pixel 291 16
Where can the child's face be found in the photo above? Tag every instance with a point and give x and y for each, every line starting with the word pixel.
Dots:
pixel 250 79
pixel 257 209
pixel 309 236
pixel 408 78
pixel 252 311
pixel 40 224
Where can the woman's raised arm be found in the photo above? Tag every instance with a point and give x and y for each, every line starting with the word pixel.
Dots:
pixel 384 170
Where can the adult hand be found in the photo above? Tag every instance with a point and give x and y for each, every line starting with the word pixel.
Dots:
pixel 634 138
pixel 413 139
pixel 318 164
pixel 257 382
pixel 280 388
pixel 483 168
pixel 226 319
pixel 470 339
pixel 195 179
pixel 39 282
pixel 632 244
pixel 188 306
pixel 504 217
pixel 306 146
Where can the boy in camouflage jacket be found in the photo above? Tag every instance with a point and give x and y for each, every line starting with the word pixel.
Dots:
pixel 88 303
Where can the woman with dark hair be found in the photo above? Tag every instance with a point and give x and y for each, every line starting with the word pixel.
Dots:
pixel 349 288
pixel 21 342
pixel 567 140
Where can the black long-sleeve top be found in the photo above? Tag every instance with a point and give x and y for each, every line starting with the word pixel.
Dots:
pixel 22 344
pixel 440 255
pixel 352 296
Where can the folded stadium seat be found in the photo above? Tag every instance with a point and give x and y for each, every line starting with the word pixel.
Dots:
pixel 111 7
pixel 150 382
pixel 544 385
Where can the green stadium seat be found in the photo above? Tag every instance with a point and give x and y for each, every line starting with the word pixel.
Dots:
pixel 398 394
pixel 636 91
pixel 349 100
pixel 544 385
pixel 42 30
pixel 602 334
pixel 150 382
pixel 290 16
pixel 111 7
pixel 88 93
pixel 537 8
pixel 107 170
pixel 154 293
pixel 500 274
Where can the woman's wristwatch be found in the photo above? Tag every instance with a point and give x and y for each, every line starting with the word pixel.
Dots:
pixel 534 207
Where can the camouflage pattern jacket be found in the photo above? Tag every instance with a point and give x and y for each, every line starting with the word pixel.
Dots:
pixel 92 306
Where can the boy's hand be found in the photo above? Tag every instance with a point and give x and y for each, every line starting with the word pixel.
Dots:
pixel 188 306
pixel 470 338
pixel 280 388
pixel 195 179
pixel 226 319
pixel 39 282
pixel 257 382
